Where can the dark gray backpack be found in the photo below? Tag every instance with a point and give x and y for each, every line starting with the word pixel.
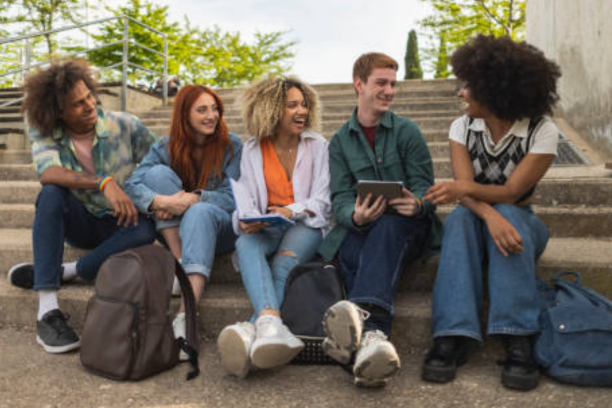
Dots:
pixel 127 334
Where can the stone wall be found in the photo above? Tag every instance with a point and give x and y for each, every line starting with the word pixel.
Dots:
pixel 110 96
pixel 577 34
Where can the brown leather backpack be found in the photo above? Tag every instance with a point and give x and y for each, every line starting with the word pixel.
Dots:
pixel 127 334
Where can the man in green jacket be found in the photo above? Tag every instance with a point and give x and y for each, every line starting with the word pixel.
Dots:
pixel 374 238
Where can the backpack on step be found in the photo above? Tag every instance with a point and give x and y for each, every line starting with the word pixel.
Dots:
pixel 575 343
pixel 127 333
pixel 310 290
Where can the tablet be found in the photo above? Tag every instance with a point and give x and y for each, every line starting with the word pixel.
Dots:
pixel 387 189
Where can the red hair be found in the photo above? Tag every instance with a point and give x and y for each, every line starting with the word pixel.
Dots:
pixel 183 140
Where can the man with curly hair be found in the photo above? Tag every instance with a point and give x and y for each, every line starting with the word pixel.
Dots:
pixel 82 155
pixel 373 237
pixel 500 149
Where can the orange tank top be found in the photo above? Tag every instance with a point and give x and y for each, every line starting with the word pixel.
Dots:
pixel 280 188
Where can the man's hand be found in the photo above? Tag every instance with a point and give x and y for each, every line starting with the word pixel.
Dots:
pixel 506 237
pixel 366 213
pixel 252 227
pixel 407 205
pixel 285 212
pixel 446 192
pixel 123 207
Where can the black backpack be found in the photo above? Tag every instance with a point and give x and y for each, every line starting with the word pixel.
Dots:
pixel 310 290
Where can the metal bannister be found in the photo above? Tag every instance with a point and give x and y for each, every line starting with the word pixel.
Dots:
pixel 26 55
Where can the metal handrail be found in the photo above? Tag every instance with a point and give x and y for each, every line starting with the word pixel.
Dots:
pixel 125 63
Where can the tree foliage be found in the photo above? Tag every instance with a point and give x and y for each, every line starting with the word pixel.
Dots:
pixel 412 60
pixel 206 56
pixel 442 62
pixel 459 20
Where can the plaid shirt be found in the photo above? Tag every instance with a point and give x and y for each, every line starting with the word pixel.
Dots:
pixel 120 144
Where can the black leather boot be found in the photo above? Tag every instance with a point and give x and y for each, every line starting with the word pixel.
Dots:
pixel 442 360
pixel 520 370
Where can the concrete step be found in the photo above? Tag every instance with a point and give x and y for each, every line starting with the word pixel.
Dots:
pixel 590 256
pixel 586 222
pixel 12 127
pixel 15 156
pixel 10 118
pixel 477 384
pixel 7 110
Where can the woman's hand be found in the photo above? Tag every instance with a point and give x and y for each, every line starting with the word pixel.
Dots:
pixel 252 227
pixel 175 204
pixel 447 192
pixel 284 211
pixel 506 237
pixel 163 215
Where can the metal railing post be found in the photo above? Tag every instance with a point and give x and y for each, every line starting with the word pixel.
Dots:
pixel 165 75
pixel 124 76
pixel 28 55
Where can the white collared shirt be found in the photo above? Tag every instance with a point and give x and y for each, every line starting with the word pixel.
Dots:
pixel 545 138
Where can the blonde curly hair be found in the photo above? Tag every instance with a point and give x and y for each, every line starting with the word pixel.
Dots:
pixel 262 105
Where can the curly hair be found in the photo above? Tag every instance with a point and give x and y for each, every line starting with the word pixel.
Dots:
pixel 264 100
pixel 182 140
pixel 513 80
pixel 46 91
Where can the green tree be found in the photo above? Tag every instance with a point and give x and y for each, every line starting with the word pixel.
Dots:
pixel 412 60
pixel 459 20
pixel 207 56
pixel 442 63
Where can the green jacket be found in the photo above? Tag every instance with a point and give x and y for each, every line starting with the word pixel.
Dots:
pixel 401 155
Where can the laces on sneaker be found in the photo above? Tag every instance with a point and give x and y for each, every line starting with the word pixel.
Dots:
pixel 519 352
pixel 372 335
pixel 58 322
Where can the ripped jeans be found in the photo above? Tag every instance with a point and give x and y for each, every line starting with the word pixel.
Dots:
pixel 265 282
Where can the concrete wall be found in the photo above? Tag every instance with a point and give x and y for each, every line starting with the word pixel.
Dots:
pixel 577 34
pixel 137 101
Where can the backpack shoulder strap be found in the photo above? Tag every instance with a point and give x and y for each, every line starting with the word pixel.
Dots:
pixel 191 345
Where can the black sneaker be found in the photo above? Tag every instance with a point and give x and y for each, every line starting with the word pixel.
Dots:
pixel 520 370
pixel 22 275
pixel 442 360
pixel 54 334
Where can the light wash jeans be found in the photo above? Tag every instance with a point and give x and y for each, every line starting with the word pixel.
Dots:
pixel 265 283
pixel 205 229
pixel 458 291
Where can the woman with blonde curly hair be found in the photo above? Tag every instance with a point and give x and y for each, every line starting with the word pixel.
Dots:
pixel 184 182
pixel 285 170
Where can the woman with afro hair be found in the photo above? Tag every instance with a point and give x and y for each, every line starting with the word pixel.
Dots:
pixel 284 170
pixel 500 149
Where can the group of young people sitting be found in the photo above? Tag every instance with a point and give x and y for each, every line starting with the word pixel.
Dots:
pixel 109 184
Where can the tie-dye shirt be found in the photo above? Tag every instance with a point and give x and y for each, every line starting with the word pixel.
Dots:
pixel 120 143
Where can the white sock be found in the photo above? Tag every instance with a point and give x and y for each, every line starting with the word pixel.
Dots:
pixel 47 301
pixel 69 270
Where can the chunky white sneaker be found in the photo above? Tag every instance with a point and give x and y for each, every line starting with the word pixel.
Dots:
pixel 179 327
pixel 176 288
pixel 343 324
pixel 274 344
pixel 234 344
pixel 376 360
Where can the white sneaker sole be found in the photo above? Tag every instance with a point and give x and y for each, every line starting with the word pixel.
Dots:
pixel 342 331
pixel 270 355
pixel 234 354
pixel 377 369
pixel 58 349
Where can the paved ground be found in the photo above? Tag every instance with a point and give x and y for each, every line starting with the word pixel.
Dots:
pixel 31 378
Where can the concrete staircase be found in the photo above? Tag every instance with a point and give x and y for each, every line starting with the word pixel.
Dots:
pixel 575 202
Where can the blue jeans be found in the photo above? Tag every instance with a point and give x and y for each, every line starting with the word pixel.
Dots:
pixel 205 229
pixel 458 291
pixel 61 216
pixel 291 246
pixel 373 261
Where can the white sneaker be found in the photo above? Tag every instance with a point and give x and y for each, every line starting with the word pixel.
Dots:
pixel 343 324
pixel 234 344
pixel 179 327
pixel 376 360
pixel 274 344
pixel 176 288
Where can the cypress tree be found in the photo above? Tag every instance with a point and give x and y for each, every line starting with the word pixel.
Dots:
pixel 442 63
pixel 412 61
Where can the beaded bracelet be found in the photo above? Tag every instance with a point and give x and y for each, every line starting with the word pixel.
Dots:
pixel 103 182
pixel 420 203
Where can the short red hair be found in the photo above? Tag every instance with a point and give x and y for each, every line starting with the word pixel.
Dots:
pixel 183 140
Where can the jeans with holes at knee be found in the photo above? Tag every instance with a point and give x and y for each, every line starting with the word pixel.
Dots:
pixel 60 216
pixel 458 290
pixel 265 280
pixel 205 229
pixel 373 261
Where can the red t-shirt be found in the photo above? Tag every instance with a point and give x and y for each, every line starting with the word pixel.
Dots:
pixel 370 134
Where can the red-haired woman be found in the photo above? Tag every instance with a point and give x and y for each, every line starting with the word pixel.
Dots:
pixel 184 182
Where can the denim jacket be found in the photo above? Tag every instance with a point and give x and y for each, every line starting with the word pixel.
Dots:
pixel 217 192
